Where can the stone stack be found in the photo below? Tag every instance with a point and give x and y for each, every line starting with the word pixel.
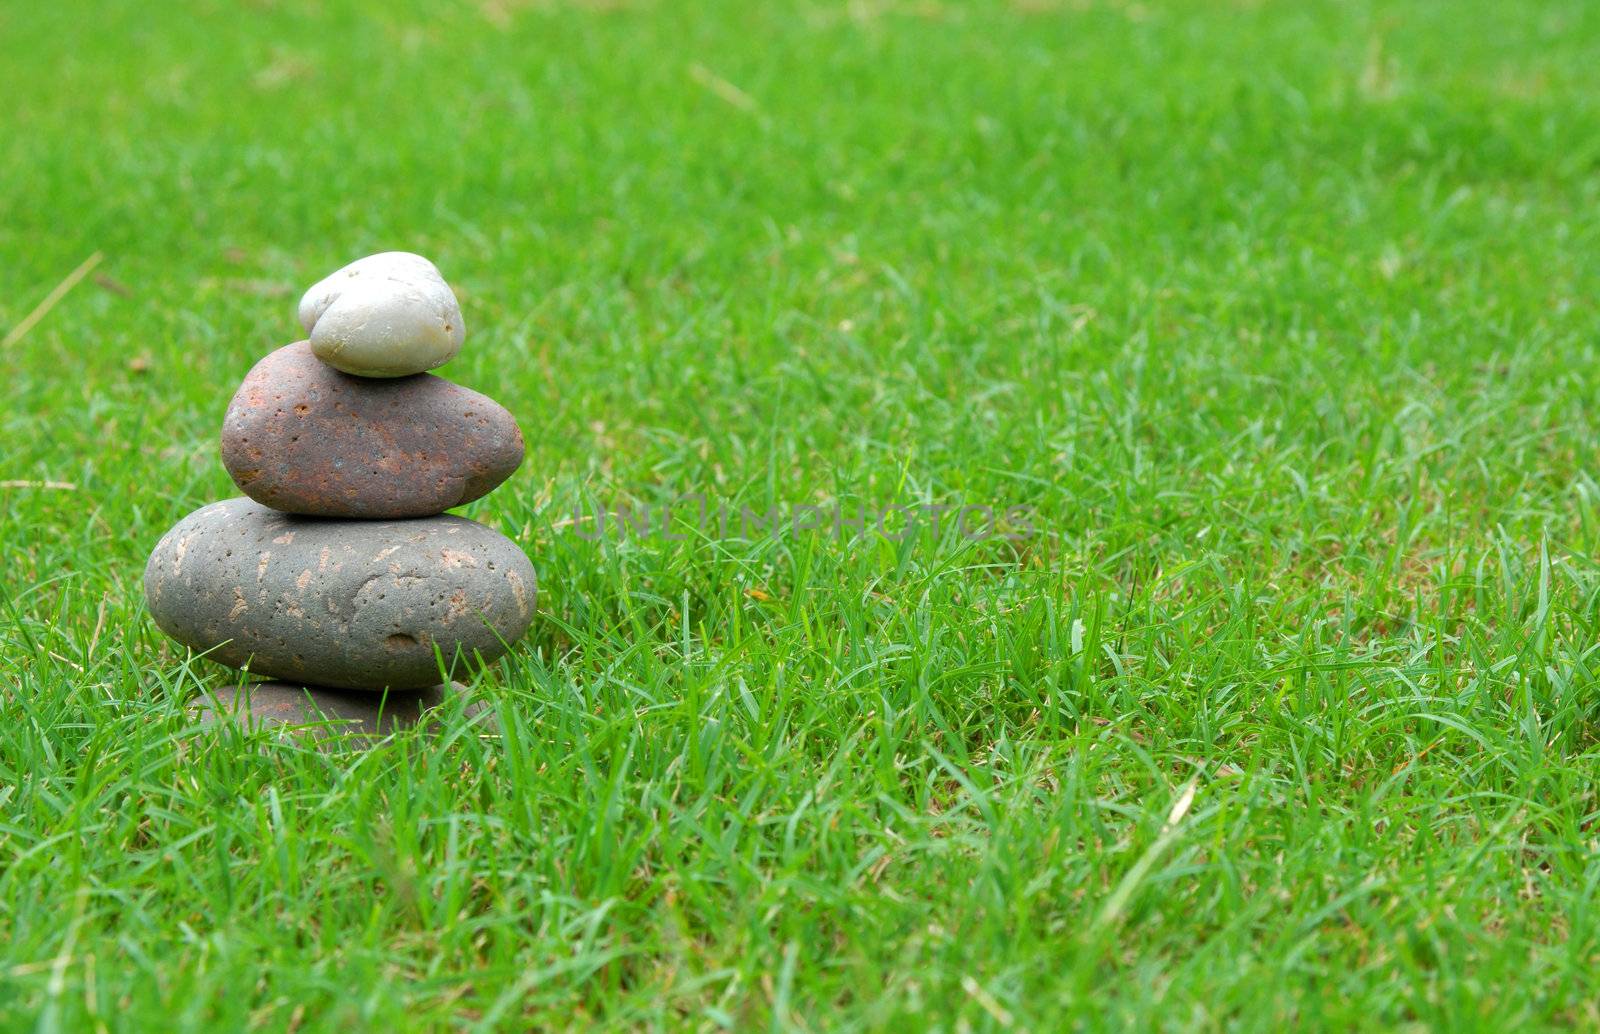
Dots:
pixel 340 571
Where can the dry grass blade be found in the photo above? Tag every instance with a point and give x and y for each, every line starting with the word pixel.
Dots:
pixel 1117 903
pixel 50 300
pixel 723 89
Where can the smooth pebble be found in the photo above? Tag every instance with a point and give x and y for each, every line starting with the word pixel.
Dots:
pixel 386 315
pixel 344 604
pixel 301 437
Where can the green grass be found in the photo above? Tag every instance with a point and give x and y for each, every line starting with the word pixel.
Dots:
pixel 1281 316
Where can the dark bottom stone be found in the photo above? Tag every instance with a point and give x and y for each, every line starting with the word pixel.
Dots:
pixel 361 717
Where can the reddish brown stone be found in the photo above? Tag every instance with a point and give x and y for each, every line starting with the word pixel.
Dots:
pixel 301 437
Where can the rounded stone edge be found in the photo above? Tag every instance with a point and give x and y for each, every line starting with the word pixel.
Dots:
pixel 359 718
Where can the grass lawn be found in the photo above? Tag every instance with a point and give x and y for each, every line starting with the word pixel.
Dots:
pixel 1279 317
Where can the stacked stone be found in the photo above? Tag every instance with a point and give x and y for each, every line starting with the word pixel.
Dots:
pixel 340 575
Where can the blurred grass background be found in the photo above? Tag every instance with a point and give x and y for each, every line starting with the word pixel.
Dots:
pixel 1280 316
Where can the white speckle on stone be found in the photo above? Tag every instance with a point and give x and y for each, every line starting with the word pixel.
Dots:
pixel 520 591
pixel 261 573
pixel 178 550
pixel 456 558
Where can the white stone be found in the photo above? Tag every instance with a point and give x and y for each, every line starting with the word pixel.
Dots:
pixel 387 315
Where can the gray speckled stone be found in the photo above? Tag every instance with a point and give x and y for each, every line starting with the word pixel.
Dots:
pixel 361 716
pixel 345 604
